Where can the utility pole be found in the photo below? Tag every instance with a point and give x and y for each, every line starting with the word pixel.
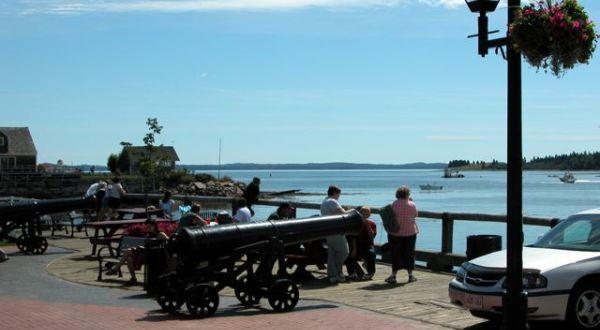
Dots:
pixel 514 300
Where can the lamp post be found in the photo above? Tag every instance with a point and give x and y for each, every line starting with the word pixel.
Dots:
pixel 514 300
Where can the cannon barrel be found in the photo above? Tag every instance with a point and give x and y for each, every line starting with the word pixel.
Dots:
pixel 47 206
pixel 197 244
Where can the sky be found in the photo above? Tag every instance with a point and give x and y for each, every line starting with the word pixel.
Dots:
pixel 278 81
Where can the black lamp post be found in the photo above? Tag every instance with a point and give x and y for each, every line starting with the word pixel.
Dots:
pixel 515 299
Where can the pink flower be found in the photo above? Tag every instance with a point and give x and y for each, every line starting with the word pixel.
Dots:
pixel 576 24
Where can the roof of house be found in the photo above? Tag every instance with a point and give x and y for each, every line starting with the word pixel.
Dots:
pixel 137 152
pixel 20 142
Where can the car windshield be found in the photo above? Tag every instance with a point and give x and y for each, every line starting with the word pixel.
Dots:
pixel 577 232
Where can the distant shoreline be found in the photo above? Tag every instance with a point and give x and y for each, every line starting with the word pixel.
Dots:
pixel 315 166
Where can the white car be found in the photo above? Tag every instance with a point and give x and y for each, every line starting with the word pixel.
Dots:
pixel 561 276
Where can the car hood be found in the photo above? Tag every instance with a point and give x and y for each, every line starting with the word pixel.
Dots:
pixel 536 258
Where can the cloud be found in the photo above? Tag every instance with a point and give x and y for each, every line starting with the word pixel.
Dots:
pixel 454 138
pixel 121 6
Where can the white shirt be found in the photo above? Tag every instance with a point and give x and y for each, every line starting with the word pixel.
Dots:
pixel 166 207
pixel 115 190
pixel 243 215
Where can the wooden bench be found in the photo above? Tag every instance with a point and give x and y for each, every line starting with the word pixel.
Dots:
pixel 66 220
pixel 125 242
pixel 313 254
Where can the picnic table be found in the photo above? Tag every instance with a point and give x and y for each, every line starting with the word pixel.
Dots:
pixel 109 228
pixel 138 213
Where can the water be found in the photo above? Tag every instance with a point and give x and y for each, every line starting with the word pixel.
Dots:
pixel 478 192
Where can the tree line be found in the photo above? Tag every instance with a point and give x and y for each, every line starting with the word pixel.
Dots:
pixel 575 161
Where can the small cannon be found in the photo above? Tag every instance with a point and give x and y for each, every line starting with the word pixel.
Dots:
pixel 26 216
pixel 241 256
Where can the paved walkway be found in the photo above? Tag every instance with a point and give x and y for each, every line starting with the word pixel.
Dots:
pixel 31 298
pixel 425 301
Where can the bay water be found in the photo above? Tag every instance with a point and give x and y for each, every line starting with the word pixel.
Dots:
pixel 544 195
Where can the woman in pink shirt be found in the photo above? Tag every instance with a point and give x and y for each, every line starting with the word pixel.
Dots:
pixel 402 241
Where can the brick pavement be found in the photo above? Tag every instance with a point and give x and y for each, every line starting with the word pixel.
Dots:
pixel 31 314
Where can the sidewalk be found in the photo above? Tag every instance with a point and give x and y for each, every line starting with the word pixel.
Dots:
pixel 58 304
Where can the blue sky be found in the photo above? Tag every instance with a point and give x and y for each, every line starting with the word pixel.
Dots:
pixel 378 81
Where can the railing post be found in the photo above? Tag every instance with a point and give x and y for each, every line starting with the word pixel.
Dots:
pixel 233 206
pixel 447 233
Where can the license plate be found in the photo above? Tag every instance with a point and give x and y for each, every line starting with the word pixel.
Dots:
pixel 473 301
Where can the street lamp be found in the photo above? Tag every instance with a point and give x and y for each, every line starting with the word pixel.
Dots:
pixel 483 7
pixel 515 299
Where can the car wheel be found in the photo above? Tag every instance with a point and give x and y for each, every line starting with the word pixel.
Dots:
pixel 583 311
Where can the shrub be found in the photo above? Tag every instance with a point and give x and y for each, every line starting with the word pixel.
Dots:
pixel 204 177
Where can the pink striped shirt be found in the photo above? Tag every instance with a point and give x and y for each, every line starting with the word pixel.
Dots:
pixel 406 213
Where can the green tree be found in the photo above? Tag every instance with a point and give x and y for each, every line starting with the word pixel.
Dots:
pixel 151 163
pixel 112 163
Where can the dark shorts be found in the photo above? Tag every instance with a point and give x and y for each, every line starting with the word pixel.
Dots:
pixel 113 202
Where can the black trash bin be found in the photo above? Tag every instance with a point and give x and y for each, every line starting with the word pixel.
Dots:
pixel 479 245
pixel 156 262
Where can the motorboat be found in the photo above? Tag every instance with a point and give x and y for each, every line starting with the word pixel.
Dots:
pixel 452 174
pixel 430 187
pixel 568 177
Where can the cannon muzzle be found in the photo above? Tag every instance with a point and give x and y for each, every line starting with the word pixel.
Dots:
pixel 42 207
pixel 195 244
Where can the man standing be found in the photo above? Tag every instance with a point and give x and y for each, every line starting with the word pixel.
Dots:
pixel 337 246
pixel 251 193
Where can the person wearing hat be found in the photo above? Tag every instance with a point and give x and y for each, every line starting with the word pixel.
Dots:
pixel 284 211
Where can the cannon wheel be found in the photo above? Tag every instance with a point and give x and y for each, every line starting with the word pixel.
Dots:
pixel 167 294
pixel 245 292
pixel 22 244
pixel 38 245
pixel 202 300
pixel 283 295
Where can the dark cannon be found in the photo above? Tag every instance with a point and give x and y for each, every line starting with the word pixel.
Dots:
pixel 25 215
pixel 241 256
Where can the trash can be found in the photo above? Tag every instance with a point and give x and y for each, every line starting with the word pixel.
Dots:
pixel 156 262
pixel 479 245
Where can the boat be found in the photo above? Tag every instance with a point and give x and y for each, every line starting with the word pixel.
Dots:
pixel 430 187
pixel 568 177
pixel 450 174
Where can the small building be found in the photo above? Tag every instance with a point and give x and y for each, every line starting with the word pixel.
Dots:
pixel 17 150
pixel 165 156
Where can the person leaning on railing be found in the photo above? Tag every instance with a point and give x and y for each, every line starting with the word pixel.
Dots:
pixel 403 239
pixel 337 246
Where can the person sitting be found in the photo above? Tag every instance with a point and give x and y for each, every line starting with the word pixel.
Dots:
pixel 192 218
pixel 243 214
pixel 167 204
pixel 135 257
pixel 284 211
pixel 361 247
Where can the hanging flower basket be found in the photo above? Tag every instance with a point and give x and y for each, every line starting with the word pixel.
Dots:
pixel 554 36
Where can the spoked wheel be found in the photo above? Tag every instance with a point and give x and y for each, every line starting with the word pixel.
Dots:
pixel 245 292
pixel 283 295
pixel 22 244
pixel 38 245
pixel 168 296
pixel 584 307
pixel 202 301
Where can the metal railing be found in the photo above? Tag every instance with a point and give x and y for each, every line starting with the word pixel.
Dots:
pixel 444 259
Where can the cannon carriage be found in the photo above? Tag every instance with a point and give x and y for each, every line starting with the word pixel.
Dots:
pixel 24 216
pixel 243 257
